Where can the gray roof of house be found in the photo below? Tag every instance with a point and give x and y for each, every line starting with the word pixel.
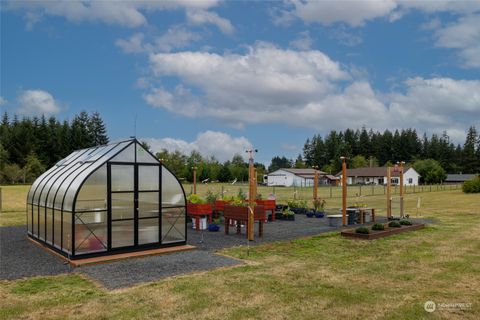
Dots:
pixel 460 177
pixel 371 172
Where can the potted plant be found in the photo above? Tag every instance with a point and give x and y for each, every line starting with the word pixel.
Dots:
pixel 319 208
pixel 214 226
pixel 288 215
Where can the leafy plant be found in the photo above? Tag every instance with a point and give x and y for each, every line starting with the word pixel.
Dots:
pixel 378 226
pixel 196 199
pixel 210 197
pixel 363 230
pixel 302 203
pixel 217 221
pixel 259 196
pixel 292 204
pixel 288 213
pixel 405 222
pixel 394 224
pixel 241 195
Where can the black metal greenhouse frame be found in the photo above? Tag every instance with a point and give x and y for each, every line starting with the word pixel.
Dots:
pixel 136 218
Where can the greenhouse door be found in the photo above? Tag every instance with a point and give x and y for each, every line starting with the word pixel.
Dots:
pixel 134 204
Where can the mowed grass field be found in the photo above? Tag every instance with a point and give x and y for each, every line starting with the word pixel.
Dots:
pixel 319 277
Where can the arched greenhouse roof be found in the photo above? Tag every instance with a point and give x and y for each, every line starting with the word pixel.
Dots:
pixel 58 187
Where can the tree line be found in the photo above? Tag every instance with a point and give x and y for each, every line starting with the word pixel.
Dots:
pixel 30 145
pixel 208 169
pixel 432 156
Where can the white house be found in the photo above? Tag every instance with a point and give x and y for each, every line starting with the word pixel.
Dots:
pixel 378 176
pixel 290 177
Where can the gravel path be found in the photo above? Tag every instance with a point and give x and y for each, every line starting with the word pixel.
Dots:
pixel 130 272
pixel 19 258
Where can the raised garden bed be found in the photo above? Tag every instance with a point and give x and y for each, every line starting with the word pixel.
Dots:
pixel 376 234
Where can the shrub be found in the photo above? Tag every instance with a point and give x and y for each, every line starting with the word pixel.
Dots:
pixel 405 223
pixel 378 226
pixel 472 186
pixel 363 230
pixel 394 224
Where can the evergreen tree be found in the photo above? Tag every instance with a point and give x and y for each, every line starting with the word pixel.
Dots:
pixel 98 130
pixel 470 163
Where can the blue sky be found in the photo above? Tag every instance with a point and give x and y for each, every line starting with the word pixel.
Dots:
pixel 219 77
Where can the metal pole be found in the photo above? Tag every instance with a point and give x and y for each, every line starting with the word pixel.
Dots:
pixel 344 191
pixel 389 207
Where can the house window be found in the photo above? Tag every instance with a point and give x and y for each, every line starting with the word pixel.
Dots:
pixel 394 180
pixel 410 180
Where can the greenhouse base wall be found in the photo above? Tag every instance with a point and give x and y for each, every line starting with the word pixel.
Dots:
pixel 46 246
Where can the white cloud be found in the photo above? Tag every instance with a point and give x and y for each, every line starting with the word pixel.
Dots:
pixel 200 16
pixel 209 143
pixel 463 35
pixel 124 13
pixel 37 102
pixel 353 13
pixel 305 89
pixel 345 37
pixel 303 42
pixel 357 13
pixel 2 101
pixel 174 38
pixel 134 44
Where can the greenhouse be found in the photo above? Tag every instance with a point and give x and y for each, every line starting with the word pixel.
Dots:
pixel 105 200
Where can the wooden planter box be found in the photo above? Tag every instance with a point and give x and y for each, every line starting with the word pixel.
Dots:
pixel 220 205
pixel 269 205
pixel 199 208
pixel 382 233
pixel 240 214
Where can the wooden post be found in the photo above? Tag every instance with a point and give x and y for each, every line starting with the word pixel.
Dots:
pixel 315 183
pixel 251 197
pixel 194 180
pixel 344 191
pixel 389 186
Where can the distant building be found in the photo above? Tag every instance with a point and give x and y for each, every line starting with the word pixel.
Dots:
pixel 290 177
pixel 459 178
pixel 378 176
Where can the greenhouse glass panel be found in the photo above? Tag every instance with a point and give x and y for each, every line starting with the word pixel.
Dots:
pixel 35 219
pixel 127 155
pixel 143 156
pixel 67 231
pixel 148 205
pixel 41 223
pixel 49 226
pixel 57 228
pixel 122 177
pixel 123 233
pixel 148 178
pixel 172 191
pixel 122 206
pixel 90 232
pixel 29 218
pixel 93 193
pixel 173 225
pixel 148 231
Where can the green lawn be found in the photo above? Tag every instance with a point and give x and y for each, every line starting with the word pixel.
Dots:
pixel 318 277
